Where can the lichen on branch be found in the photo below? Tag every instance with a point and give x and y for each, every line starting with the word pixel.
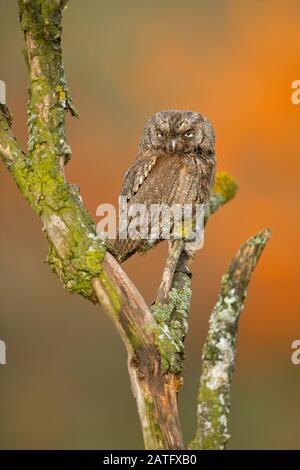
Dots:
pixel 76 254
pixel 225 189
pixel 154 340
pixel 219 351
pixel 172 305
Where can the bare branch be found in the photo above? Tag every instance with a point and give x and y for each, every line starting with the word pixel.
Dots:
pixel 175 249
pixel 219 352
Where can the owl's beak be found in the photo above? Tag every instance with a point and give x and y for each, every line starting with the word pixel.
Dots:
pixel 174 144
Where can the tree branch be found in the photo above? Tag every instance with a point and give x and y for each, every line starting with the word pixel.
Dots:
pixel 225 189
pixel 76 254
pixel 11 152
pixel 219 352
pixel 172 305
pixel 154 342
pixel 175 249
pixel 149 350
pixel 179 259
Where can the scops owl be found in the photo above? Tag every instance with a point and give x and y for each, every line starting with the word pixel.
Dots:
pixel 175 165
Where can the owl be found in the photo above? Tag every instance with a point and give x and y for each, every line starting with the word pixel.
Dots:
pixel 175 164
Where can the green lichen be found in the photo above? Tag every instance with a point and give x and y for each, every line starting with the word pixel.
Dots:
pixel 78 270
pixel 172 321
pixel 225 186
pixel 155 433
pixel 75 252
pixel 135 341
pixel 225 189
pixel 218 360
pixel 114 296
pixel 16 161
pixel 261 238
pixel 219 351
pixel 213 414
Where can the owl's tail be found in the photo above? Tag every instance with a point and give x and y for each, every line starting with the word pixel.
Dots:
pixel 122 249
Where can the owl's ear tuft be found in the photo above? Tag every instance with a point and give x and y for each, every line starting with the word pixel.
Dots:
pixel 208 142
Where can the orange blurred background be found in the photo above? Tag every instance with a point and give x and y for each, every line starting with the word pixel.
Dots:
pixel 65 384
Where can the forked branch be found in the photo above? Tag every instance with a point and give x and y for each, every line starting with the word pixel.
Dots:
pixel 153 339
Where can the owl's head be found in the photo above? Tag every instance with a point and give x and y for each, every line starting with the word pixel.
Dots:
pixel 179 132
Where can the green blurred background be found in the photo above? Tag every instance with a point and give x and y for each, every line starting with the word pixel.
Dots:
pixel 65 384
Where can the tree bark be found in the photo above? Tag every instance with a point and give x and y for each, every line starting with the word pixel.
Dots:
pixel 154 339
pixel 219 352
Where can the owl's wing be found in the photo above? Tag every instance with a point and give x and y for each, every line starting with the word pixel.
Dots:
pixel 134 178
pixel 136 175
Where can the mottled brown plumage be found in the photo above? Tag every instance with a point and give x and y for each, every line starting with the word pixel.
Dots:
pixel 175 165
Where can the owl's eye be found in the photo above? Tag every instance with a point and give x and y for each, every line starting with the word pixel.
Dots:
pixel 159 134
pixel 189 134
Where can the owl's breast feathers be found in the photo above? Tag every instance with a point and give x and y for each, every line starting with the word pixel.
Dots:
pixel 164 179
pixel 168 179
